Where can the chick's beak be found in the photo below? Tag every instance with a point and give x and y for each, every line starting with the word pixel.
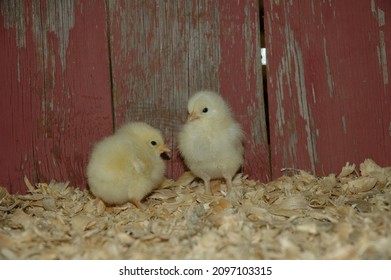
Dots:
pixel 164 149
pixel 193 116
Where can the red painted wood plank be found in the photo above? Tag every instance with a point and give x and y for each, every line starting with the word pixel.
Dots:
pixel 164 51
pixel 55 88
pixel 240 75
pixel 328 83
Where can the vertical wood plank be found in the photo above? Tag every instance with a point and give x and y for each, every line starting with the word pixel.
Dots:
pixel 148 48
pixel 56 89
pixel 240 76
pixel 164 51
pixel 328 83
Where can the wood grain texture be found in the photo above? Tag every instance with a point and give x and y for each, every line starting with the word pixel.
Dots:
pixel 328 83
pixel 55 89
pixel 164 51
pixel 240 75
pixel 75 70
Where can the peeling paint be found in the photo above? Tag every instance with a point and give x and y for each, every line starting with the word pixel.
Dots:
pixel 330 81
pixel 36 21
pixel 313 10
pixel 313 93
pixel 280 113
pixel 292 65
pixel 256 127
pixel 381 19
pixel 249 50
pixel 373 7
pixel 329 58
pixel 255 110
pixel 126 26
pixel 60 20
pixel 13 15
pixel 303 104
pixel 382 56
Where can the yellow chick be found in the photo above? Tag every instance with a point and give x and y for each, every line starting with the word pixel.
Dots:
pixel 127 166
pixel 211 140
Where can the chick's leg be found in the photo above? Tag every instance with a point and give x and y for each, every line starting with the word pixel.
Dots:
pixel 137 203
pixel 137 190
pixel 228 181
pixel 206 180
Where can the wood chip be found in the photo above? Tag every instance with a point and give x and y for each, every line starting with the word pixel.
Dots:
pixel 362 184
pixel 296 216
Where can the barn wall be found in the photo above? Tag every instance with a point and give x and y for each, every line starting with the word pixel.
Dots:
pixel 76 70
pixel 162 52
pixel 328 83
pixel 54 84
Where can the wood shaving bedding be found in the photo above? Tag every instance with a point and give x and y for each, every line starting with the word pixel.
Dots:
pixel 297 216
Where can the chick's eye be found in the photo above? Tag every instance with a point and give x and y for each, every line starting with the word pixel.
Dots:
pixel 205 110
pixel 153 143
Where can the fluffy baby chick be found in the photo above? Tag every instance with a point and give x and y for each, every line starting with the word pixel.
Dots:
pixel 211 140
pixel 127 166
